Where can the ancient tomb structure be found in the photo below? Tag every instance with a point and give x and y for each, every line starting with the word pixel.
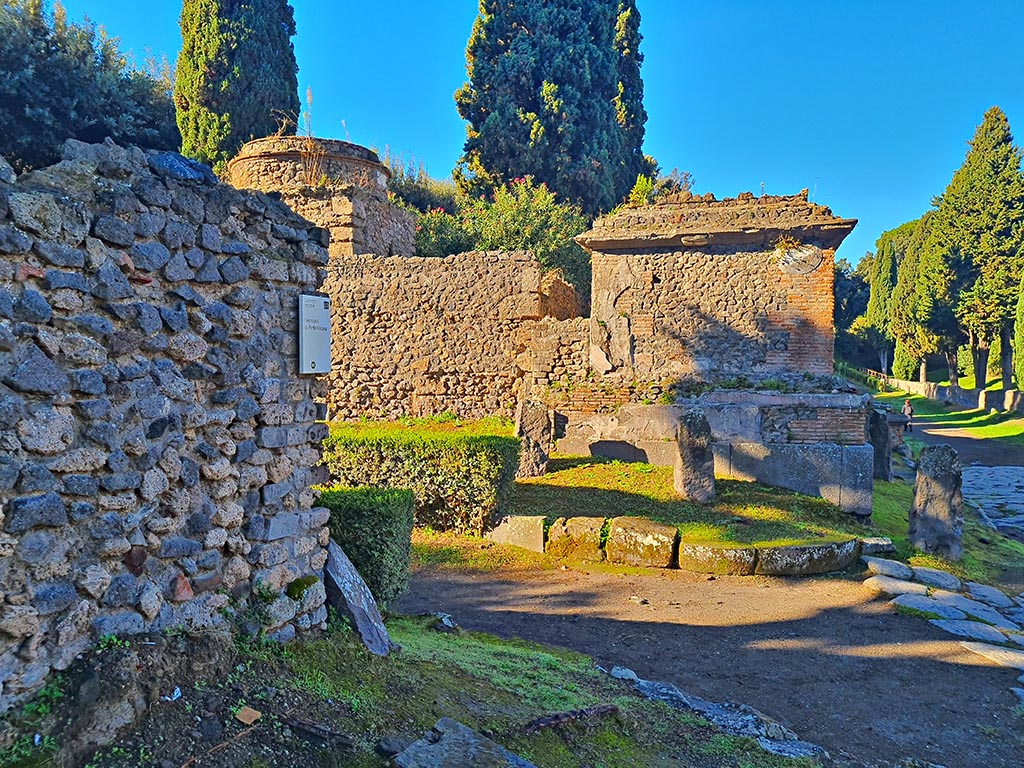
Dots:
pixel 732 296
pixel 410 336
pixel 158 444
pixel 341 186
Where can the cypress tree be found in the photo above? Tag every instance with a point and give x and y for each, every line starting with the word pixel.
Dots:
pixel 236 75
pixel 913 343
pixel 629 101
pixel 543 99
pixel 1018 340
pixel 971 266
pixel 883 281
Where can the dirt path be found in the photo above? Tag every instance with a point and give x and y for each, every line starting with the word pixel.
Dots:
pixel 970 449
pixel 820 655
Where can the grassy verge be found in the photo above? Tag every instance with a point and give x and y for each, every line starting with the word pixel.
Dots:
pixel 1003 428
pixel 988 557
pixel 742 512
pixel 496 687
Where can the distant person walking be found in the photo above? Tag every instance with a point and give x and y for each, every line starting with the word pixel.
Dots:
pixel 908 411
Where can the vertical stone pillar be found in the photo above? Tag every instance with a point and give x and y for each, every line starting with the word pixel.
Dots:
pixel 694 470
pixel 937 517
pixel 535 429
pixel 881 440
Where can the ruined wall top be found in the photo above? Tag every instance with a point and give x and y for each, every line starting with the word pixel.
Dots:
pixel 686 220
pixel 279 163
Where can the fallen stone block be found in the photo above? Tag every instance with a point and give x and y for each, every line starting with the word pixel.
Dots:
pixel 936 578
pixel 889 586
pixel 348 594
pixel 927 605
pixel 1004 657
pixel 450 744
pixel 526 531
pixel 641 542
pixel 973 630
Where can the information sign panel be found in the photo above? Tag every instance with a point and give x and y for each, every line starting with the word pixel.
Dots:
pixel 314 334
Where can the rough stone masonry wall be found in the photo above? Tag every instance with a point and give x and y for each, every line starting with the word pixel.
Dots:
pixel 156 443
pixel 421 336
pixel 710 314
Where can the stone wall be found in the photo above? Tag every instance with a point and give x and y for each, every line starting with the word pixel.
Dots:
pixel 157 443
pixel 340 186
pixel 421 336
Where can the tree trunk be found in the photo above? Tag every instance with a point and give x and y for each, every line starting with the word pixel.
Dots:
pixel 883 360
pixel 980 357
pixel 922 373
pixel 954 376
pixel 1006 354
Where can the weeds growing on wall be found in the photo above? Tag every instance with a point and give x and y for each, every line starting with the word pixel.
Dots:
pixel 458 473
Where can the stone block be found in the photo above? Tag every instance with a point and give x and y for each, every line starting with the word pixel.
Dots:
pixel 348 594
pixel 694 468
pixel 937 515
pixel 718 559
pixel 526 531
pixel 577 539
pixel 535 429
pixel 880 440
pixel 641 542
pixel 806 559
pixel 450 743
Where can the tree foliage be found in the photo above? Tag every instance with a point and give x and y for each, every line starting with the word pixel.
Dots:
pixel 237 77
pixel 554 93
pixel 61 80
pixel 520 216
pixel 879 309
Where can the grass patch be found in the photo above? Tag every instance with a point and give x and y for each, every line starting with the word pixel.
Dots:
pixel 436 549
pixel 989 557
pixel 742 513
pixel 498 686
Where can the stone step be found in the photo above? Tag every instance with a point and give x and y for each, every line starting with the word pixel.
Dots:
pixel 1004 657
pixel 927 605
pixel 973 630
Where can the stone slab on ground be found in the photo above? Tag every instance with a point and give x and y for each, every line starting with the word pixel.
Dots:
pixel 348 594
pixel 641 542
pixel 883 567
pixel 1019 693
pixel 986 594
pixel 927 605
pixel 974 609
pixel 936 578
pixel 890 586
pixel 526 531
pixel 720 560
pixel 1004 657
pixel 804 559
pixel 450 744
pixel 973 630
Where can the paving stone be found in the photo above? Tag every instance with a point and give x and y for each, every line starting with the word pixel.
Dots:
pixel 890 586
pixel 1004 657
pixel 526 531
pixel 876 545
pixel 893 568
pixel 450 743
pixel 974 609
pixel 936 578
pixel 970 629
pixel 927 605
pixel 986 594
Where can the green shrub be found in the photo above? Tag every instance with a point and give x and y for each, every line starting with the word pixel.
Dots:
pixel 374 527
pixel 458 475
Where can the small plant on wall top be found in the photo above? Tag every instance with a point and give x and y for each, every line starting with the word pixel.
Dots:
pixel 787 243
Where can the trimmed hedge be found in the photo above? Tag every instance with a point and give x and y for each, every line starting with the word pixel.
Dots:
pixel 374 527
pixel 459 476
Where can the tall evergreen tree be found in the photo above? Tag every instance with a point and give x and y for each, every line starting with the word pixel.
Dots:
pixel 913 342
pixel 1018 340
pixel 236 74
pixel 544 100
pixel 883 281
pixel 971 267
pixel 629 101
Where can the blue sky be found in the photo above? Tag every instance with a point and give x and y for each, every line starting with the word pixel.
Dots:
pixel 867 103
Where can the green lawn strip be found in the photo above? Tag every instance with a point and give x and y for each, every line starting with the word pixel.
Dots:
pixel 742 513
pixel 499 686
pixel 1007 428
pixel 989 557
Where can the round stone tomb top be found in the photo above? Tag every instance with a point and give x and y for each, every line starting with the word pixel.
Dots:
pixel 280 162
